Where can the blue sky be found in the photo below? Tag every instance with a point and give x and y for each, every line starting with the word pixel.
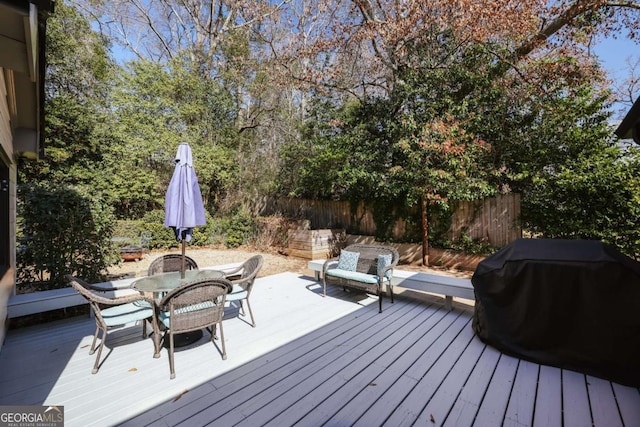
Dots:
pixel 613 54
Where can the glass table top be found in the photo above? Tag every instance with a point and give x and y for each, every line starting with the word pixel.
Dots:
pixel 167 281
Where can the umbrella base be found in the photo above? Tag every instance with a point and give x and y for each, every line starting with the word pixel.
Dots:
pixel 184 339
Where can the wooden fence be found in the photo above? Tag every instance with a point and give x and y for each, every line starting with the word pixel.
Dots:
pixel 494 220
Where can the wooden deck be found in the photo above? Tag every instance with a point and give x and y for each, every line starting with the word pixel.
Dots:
pixel 310 361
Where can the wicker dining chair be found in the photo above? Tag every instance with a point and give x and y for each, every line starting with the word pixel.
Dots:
pixel 169 263
pixel 242 287
pixel 112 312
pixel 191 307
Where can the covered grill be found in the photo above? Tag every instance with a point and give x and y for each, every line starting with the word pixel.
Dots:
pixel 573 304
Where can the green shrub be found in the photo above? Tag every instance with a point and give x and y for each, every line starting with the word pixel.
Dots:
pixel 63 230
pixel 467 245
pixel 241 230
pixel 164 237
pixel 161 237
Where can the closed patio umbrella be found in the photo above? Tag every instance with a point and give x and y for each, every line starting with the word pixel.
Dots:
pixel 183 205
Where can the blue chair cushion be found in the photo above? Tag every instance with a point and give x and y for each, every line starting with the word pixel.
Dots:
pixel 348 260
pixel 126 313
pixel 384 261
pixel 165 317
pixel 353 275
pixel 237 293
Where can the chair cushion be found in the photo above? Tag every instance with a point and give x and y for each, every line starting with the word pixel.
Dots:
pixel 126 313
pixel 353 275
pixel 384 261
pixel 165 317
pixel 237 293
pixel 348 260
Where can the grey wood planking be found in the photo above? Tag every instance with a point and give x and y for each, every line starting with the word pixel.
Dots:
pixel 499 390
pixel 300 401
pixel 575 399
pixel 436 362
pixel 521 402
pixel 419 340
pixel 441 404
pixel 373 379
pixel 295 295
pixel 305 377
pixel 276 361
pixel 466 407
pixel 627 398
pixel 266 381
pixel 603 402
pixel 548 409
pixel 403 384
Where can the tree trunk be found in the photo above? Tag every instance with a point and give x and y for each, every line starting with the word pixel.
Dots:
pixel 425 231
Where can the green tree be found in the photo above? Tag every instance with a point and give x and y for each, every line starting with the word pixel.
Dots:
pixel 591 196
pixel 64 230
pixel 158 107
pixel 64 219
pixel 76 115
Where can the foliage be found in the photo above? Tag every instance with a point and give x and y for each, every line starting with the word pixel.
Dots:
pixel 64 230
pixel 164 237
pixel 241 230
pixel 65 217
pixel 387 101
pixel 76 121
pixel 341 154
pixel 467 245
pixel 362 47
pixel 590 197
pixel 156 108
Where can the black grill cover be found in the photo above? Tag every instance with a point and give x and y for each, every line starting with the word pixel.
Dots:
pixel 573 304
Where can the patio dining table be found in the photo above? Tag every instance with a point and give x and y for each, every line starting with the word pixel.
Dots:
pixel 160 284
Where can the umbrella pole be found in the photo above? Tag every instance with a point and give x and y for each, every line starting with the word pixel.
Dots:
pixel 182 267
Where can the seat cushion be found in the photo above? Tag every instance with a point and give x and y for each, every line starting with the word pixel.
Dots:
pixel 353 275
pixel 237 293
pixel 126 313
pixel 348 260
pixel 165 317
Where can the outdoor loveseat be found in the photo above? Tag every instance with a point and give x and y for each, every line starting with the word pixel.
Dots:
pixel 364 267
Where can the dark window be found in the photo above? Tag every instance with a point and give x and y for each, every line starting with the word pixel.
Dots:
pixel 4 216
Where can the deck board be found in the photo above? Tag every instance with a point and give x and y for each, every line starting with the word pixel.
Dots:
pixel 627 398
pixel 500 387
pixel 310 361
pixel 575 399
pixel 414 343
pixel 466 407
pixel 522 399
pixel 548 409
pixel 439 359
pixel 355 370
pixel 604 403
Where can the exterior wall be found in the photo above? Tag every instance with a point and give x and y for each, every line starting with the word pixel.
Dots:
pixel 7 272
pixel 5 128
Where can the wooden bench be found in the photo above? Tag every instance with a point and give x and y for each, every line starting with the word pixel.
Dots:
pixel 43 301
pixel 433 283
